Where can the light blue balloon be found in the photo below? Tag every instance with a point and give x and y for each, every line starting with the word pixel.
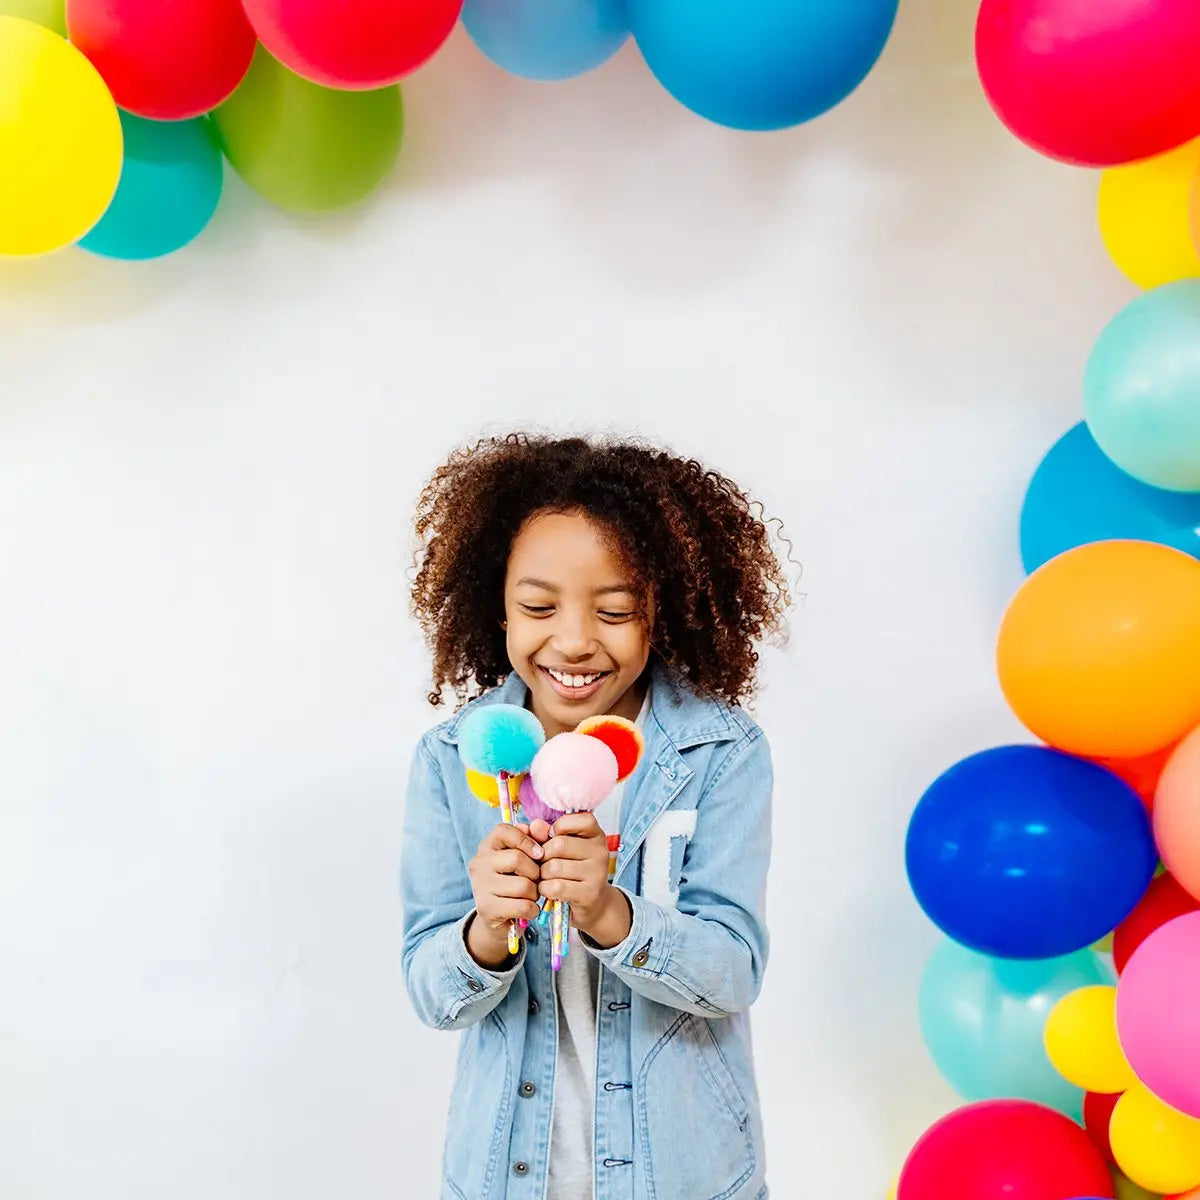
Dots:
pixel 547 39
pixel 761 64
pixel 170 186
pixel 1141 389
pixel 1078 495
pixel 982 1020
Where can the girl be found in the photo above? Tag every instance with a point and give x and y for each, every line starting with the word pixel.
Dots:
pixel 576 578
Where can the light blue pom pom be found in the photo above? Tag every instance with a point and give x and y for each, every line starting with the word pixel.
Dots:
pixel 499 737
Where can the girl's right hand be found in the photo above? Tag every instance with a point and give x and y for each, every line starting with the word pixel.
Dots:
pixel 504 881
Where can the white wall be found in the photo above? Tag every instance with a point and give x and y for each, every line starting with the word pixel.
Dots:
pixel 209 685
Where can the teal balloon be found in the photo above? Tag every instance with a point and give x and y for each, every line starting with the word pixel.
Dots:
pixel 170 186
pixel 982 1020
pixel 1141 388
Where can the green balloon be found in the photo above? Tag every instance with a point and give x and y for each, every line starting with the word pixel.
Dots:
pixel 304 147
pixel 982 1020
pixel 50 13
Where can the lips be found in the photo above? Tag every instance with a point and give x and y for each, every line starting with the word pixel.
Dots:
pixel 574 685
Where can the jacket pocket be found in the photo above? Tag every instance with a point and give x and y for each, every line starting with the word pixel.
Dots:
pixel 479 1101
pixel 694 1122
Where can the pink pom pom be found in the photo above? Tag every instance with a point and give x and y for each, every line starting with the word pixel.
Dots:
pixel 532 806
pixel 574 772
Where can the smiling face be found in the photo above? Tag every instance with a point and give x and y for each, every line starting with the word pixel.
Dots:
pixel 574 632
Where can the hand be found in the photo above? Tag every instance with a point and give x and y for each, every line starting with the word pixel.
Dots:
pixel 504 881
pixel 575 869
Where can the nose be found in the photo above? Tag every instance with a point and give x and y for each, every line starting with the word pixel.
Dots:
pixel 574 636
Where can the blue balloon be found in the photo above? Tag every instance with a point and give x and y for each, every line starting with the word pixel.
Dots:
pixel 547 39
pixel 982 1019
pixel 1027 852
pixel 1077 495
pixel 170 186
pixel 761 64
pixel 1141 388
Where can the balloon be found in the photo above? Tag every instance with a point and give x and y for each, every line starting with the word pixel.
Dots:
pixel 1126 1189
pixel 50 13
pixel 354 44
pixel 60 141
pixel 982 1021
pixel 1164 901
pixel 1092 82
pixel 547 39
pixel 304 147
pixel 1144 213
pixel 761 64
pixel 1098 651
pixel 1190 1194
pixel 1142 774
pixel 1023 852
pixel 1158 1148
pixel 170 186
pixel 1158 1020
pixel 1097 1111
pixel 1078 495
pixel 1177 814
pixel 168 61
pixel 1142 387
pixel 1009 1149
pixel 1081 1040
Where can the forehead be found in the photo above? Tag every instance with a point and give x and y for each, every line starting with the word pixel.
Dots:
pixel 565 547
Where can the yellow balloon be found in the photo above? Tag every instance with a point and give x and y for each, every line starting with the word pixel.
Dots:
pixel 60 141
pixel 1080 1037
pixel 1157 1147
pixel 1145 220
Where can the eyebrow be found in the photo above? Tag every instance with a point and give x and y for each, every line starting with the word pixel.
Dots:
pixel 600 591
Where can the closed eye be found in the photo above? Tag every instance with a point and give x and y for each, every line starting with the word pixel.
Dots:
pixel 537 610
pixel 617 616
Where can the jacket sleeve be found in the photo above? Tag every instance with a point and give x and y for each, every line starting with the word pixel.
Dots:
pixel 447 987
pixel 708 955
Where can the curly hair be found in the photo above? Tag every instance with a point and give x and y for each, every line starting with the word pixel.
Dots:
pixel 690 536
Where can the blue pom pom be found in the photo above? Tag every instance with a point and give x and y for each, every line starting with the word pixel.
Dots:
pixel 499 737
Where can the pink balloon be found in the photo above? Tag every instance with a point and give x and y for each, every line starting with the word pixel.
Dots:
pixel 1176 814
pixel 1158 1013
pixel 1093 82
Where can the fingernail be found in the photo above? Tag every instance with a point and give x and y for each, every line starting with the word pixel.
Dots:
pixel 537 851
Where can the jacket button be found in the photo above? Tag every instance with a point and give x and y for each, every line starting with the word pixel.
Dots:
pixel 527 1089
pixel 475 985
pixel 534 1007
pixel 642 957
pixel 520 1168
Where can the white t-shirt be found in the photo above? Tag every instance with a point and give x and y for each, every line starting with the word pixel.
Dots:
pixel 571 1154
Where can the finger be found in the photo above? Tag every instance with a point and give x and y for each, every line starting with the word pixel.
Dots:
pixel 572 847
pixel 539 830
pixel 576 869
pixel 570 890
pixel 513 862
pixel 504 908
pixel 511 837
pixel 514 887
pixel 582 824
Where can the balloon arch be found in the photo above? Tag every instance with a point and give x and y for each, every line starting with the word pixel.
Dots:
pixel 1063 1001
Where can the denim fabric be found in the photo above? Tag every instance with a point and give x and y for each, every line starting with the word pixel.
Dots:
pixel 677 1112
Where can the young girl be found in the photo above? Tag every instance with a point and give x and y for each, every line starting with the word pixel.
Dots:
pixel 576 578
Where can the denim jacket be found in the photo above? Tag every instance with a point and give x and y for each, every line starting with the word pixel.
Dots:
pixel 676 1106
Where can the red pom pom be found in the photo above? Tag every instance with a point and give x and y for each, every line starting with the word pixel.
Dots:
pixel 622 737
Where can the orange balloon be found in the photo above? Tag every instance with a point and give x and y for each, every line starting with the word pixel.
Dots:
pixel 1177 814
pixel 1099 651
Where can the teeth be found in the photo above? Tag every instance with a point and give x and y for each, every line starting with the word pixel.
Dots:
pixel 573 681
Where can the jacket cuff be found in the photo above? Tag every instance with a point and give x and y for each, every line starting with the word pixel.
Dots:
pixel 465 978
pixel 646 950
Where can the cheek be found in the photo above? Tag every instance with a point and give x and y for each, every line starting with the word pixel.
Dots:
pixel 632 648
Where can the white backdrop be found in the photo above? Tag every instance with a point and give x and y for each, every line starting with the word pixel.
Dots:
pixel 209 684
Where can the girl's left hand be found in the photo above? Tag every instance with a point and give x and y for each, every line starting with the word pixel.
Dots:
pixel 575 868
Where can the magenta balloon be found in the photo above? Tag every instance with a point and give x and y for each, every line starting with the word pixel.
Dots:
pixel 1093 82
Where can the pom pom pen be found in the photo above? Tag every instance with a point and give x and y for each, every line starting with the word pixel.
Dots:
pixel 571 773
pixel 497 744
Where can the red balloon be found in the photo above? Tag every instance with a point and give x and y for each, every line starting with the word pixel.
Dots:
pixel 1164 900
pixel 353 44
pixel 1004 1150
pixel 166 61
pixel 1093 82
pixel 1141 774
pixel 1097 1113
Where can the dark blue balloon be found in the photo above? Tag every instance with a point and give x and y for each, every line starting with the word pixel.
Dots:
pixel 1078 495
pixel 1027 852
pixel 761 64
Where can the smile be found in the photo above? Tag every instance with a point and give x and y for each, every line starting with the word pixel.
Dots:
pixel 575 686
